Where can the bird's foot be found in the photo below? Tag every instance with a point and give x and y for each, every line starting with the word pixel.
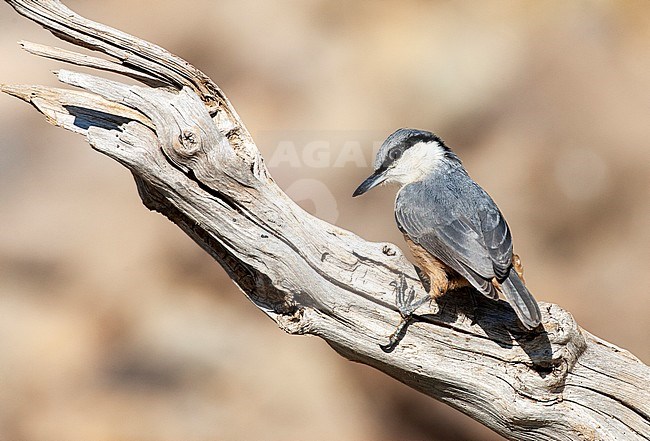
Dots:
pixel 405 299
pixel 406 304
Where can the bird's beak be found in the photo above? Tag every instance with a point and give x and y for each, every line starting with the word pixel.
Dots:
pixel 373 180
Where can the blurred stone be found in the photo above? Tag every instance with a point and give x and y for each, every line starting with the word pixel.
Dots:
pixel 116 326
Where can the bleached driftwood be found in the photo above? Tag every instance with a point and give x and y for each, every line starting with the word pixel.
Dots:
pixel 194 161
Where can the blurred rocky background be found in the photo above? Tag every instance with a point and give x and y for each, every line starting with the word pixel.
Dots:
pixel 115 326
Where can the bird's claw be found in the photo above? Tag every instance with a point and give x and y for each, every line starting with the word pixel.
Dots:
pixel 406 303
pixel 405 297
pixel 397 335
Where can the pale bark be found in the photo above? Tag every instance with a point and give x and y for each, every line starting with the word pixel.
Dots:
pixel 194 161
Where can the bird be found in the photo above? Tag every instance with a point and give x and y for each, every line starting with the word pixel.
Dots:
pixel 454 229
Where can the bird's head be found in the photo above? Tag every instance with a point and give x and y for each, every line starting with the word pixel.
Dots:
pixel 406 156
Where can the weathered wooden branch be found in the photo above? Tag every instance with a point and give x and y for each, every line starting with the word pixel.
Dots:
pixel 194 161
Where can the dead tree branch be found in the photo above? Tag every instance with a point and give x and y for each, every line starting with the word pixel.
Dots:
pixel 194 161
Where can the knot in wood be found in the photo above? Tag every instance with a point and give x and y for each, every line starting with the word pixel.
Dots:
pixel 388 250
pixel 190 142
pixel 295 323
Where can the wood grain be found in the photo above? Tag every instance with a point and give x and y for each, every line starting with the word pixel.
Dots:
pixel 194 161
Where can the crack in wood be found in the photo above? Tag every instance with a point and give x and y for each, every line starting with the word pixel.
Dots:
pixel 194 162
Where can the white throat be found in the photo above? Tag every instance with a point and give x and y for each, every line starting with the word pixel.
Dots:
pixel 416 163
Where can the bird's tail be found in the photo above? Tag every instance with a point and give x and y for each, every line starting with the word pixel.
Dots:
pixel 521 300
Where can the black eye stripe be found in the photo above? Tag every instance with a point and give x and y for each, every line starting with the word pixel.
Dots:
pixel 396 145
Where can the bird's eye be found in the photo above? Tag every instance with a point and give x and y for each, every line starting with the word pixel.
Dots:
pixel 395 154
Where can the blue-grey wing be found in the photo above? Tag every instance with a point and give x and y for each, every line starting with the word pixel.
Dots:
pixel 476 243
pixel 497 239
